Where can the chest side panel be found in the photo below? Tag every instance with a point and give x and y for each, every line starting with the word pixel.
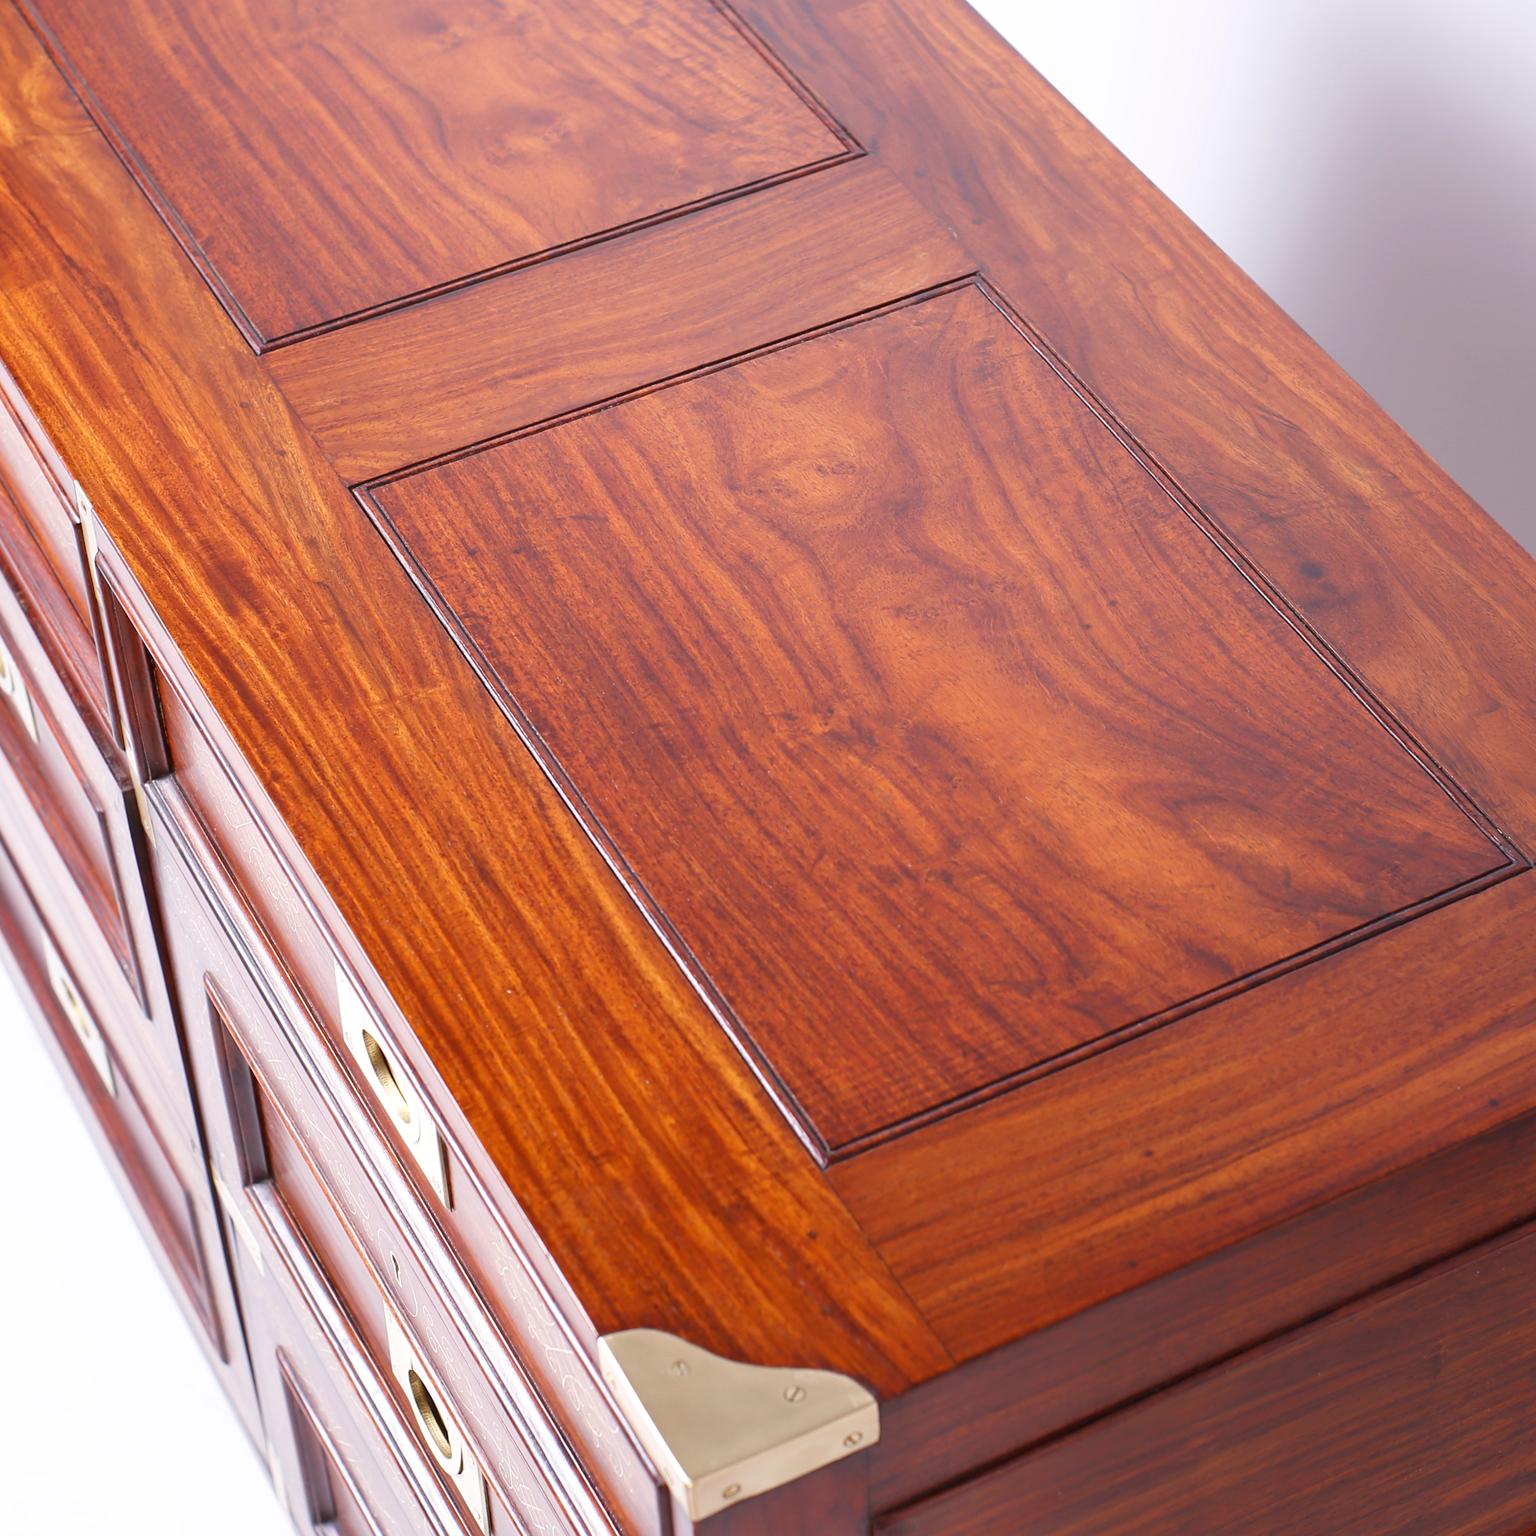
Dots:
pixel 938 736
pixel 322 161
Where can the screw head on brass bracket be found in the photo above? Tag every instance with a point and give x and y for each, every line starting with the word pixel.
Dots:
pixel 721 1431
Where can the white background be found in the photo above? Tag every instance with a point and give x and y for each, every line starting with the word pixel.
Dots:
pixel 1372 164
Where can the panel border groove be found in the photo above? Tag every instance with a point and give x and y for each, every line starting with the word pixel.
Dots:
pixel 1514 860
pixel 261 343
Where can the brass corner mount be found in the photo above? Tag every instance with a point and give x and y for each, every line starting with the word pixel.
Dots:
pixel 721 1431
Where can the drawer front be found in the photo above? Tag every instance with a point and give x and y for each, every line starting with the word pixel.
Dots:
pixel 68 812
pixel 44 492
pixel 500 1281
pixel 1411 1413
pixel 46 523
pixel 71 823
pixel 257 1057
pixel 24 569
pixel 167 1189
pixel 339 1451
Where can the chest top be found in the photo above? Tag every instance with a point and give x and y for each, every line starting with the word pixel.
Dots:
pixel 915 762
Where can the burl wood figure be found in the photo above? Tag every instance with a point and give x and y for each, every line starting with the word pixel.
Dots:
pixel 744 803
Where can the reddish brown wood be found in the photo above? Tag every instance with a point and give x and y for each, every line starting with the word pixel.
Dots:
pixel 420 142
pixel 73 829
pixel 1148 1155
pixel 1354 521
pixel 797 489
pixel 940 739
pixel 518 1490
pixel 335 1441
pixel 1167 1327
pixel 487 359
pixel 167 1193
pixel 49 610
pixel 831 1502
pixel 263 1072
pixel 39 493
pixel 1410 1412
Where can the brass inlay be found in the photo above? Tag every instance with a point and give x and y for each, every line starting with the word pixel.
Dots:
pixel 436 1423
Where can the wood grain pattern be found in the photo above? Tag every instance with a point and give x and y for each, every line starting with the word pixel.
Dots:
pixel 941 739
pixel 501 354
pixel 1148 1156
pixel 30 479
pixel 170 1200
pixel 512 1323
pixel 323 162
pixel 1430 600
pixel 369 746
pixel 66 804
pixel 1412 1413
pixel 54 814
pixel 292 1119
pixel 310 1371
pixel 1168 1326
pixel 373 804
pixel 50 613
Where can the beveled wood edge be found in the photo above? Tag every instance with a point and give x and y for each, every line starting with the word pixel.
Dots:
pixel 96 456
pixel 349 385
pixel 1136 1326
pixel 1341 1106
pixel 107 376
pixel 1157 321
pixel 199 1295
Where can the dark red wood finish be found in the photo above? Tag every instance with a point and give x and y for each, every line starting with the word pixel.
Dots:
pixel 1410 1412
pixel 389 148
pixel 920 782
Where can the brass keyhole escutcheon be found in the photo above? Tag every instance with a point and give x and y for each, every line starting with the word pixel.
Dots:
pixel 384 1075
pixel 431 1416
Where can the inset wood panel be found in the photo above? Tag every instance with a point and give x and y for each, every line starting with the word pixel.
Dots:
pixel 324 160
pixel 941 739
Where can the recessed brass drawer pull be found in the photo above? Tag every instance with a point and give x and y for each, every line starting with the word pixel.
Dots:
pixel 13 686
pixel 80 1017
pixel 384 1076
pixel 438 1429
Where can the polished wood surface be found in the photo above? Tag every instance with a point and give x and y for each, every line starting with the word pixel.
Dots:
pixel 938 736
pixel 1411 1412
pixel 483 362
pixel 320 163
pixel 688 1129
pixel 914 775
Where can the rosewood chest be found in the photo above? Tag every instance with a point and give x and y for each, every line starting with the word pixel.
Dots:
pixel 744 803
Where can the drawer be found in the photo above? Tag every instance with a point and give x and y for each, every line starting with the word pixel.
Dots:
pixel 1410 1413
pixel 71 822
pixel 43 516
pixel 341 1455
pixel 285 1130
pixel 466 1237
pixel 167 1190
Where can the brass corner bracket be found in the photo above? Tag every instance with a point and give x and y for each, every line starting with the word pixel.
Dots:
pixel 721 1431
